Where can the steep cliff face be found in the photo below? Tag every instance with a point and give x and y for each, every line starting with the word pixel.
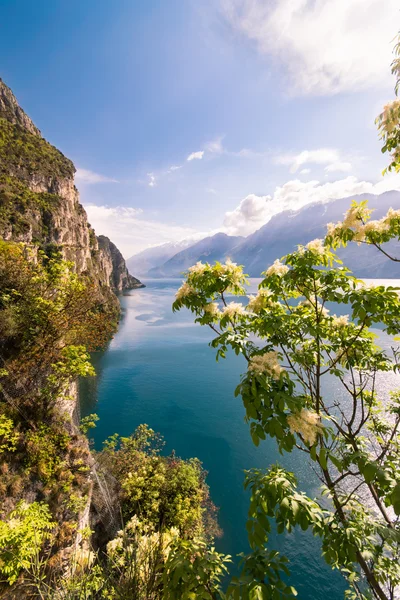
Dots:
pixel 113 263
pixel 39 203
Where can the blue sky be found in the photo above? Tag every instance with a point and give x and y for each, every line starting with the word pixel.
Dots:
pixel 274 102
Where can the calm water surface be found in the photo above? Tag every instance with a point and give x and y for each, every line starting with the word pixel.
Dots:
pixel 160 370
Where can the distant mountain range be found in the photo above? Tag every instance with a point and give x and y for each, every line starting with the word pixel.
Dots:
pixel 278 237
pixel 155 256
pixel 217 247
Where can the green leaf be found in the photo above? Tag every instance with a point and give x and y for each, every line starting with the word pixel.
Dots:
pixel 369 472
pixel 322 459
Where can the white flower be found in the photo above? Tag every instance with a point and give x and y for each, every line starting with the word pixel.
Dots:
pixel 316 246
pixel 184 291
pixel 390 118
pixel 232 270
pixel 198 268
pixel 83 558
pixel 355 216
pixel 333 228
pixel 233 309
pixel 307 423
pixel 341 321
pixel 376 226
pixel 277 269
pixel 114 545
pixel 266 363
pixel 391 215
pixel 211 309
pixel 262 300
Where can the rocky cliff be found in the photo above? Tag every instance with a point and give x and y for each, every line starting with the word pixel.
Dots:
pixel 39 203
pixel 113 263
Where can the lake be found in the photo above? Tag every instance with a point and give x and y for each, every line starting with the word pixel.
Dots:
pixel 159 370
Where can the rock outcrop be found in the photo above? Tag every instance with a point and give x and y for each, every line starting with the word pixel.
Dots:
pixel 10 110
pixel 39 203
pixel 113 264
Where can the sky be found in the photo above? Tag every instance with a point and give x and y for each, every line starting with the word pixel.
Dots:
pixel 184 117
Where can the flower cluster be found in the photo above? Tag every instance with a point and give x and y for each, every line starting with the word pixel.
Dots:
pixel 212 309
pixel 390 117
pixel 83 558
pixel 316 246
pixel 140 541
pixel 356 219
pixel 260 301
pixel 233 271
pixel 184 291
pixel 233 309
pixel 266 363
pixel 277 268
pixel 341 321
pixel 306 423
pixel 198 268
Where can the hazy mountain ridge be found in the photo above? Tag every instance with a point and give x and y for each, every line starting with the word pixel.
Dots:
pixel 142 262
pixel 213 248
pixel 283 233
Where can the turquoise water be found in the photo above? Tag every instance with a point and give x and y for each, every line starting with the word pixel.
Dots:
pixel 160 370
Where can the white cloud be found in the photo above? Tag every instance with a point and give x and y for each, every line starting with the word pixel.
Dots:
pixel 89 177
pixel 254 211
pixel 305 171
pixel 174 168
pixel 342 166
pixel 130 231
pixel 196 155
pixel 152 180
pixel 215 146
pixel 321 156
pixel 325 47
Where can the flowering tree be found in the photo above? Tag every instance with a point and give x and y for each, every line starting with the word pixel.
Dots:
pixel 292 345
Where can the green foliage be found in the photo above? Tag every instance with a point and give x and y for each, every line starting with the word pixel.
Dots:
pixel 19 205
pixel 48 313
pixel 21 538
pixel 88 422
pixel 163 492
pixel 261 578
pixel 25 155
pixel 75 362
pixel 193 570
pixel 46 447
pixel 8 436
pixel 352 439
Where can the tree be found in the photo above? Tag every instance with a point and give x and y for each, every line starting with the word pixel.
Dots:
pixel 292 344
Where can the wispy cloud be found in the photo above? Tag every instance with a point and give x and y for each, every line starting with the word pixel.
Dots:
pixel 89 177
pixel 196 155
pixel 131 231
pixel 320 156
pixel 152 181
pixel 325 47
pixel 215 146
pixel 342 166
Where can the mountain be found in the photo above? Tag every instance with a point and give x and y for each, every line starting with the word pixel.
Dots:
pixel 119 276
pixel 286 230
pixel 142 262
pixel 214 248
pixel 39 203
